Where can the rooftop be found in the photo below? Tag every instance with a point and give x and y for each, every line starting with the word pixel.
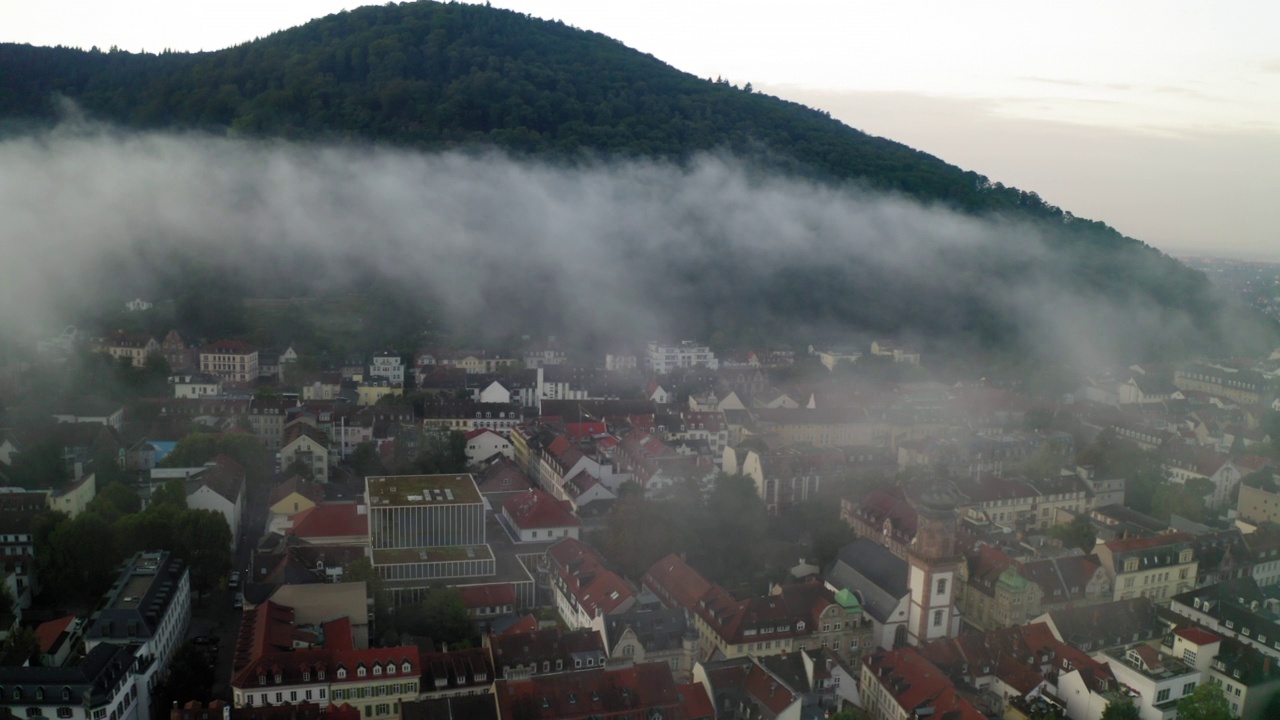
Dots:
pixel 390 490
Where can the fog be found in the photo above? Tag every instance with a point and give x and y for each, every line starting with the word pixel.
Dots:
pixel 612 251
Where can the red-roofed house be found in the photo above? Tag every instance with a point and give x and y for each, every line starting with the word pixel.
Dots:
pixel 535 516
pixel 276 663
pixel 332 524
pixel 583 587
pixel 488 601
pixel 696 702
pixel 898 682
pixel 54 637
pixel 644 691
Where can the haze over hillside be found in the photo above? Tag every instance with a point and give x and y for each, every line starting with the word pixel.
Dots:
pixel 624 199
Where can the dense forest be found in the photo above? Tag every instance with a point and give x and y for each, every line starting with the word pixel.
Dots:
pixel 432 76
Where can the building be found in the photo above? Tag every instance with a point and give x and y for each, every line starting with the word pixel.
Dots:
pixel 662 358
pixel 1259 500
pixel 137 348
pixel 1159 680
pixel 900 684
pixel 104 684
pixel 232 360
pixel 456 673
pixel 535 516
pixel 220 488
pixel 1248 678
pixel 1155 567
pixel 484 443
pixel 195 385
pixel 387 364
pixel 584 589
pixel 643 636
pixel 1235 609
pixel 148 608
pixel 279 662
pixel 74 498
pixel 520 654
pixel 787 477
pixel 305 446
pixel 642 691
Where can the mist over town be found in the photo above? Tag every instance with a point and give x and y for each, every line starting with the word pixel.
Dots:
pixel 433 361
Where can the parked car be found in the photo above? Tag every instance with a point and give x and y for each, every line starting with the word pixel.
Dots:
pixel 205 640
pixel 234 580
pixel 239 601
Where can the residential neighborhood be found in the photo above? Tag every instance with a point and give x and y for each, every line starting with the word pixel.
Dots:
pixel 668 530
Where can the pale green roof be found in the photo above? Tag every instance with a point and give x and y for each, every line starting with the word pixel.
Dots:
pixel 848 600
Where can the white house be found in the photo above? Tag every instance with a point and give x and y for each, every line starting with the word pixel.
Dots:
pixel 388 365
pixel 535 516
pixel 663 358
pixel 485 443
pixel 220 489
pixel 494 392
pixel 138 305
pixel 195 385
pixel 1159 680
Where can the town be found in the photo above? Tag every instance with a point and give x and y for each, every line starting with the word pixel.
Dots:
pixel 207 528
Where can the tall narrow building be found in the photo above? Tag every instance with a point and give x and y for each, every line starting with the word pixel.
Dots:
pixel 934 562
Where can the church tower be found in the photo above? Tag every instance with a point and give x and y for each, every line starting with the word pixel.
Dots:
pixel 933 564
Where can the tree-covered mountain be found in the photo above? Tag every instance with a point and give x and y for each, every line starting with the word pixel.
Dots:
pixel 435 76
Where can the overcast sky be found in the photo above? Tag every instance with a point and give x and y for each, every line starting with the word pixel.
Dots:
pixel 1160 118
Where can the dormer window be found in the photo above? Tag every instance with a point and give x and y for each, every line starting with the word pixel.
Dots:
pixel 405 666
pixel 306 676
pixel 262 679
pixel 360 671
pixel 377 669
pixel 279 677
pixel 320 674
pixel 391 668
pixel 342 673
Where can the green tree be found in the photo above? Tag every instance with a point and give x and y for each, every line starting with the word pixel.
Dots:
pixel 173 493
pixel 83 558
pixel 187 678
pixel 1120 707
pixel 446 618
pixel 375 588
pixel 1206 702
pixel 202 538
pixel 39 466
pixel 22 645
pixel 115 501
pixel 1079 533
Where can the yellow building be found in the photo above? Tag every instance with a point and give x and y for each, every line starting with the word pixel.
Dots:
pixel 76 497
pixel 370 392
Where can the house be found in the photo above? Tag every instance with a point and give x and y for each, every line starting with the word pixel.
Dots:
pixel 343 523
pixel 583 587
pixel 457 673
pixel 887 348
pixel 104 683
pixel 137 348
pixel 642 691
pixel 663 358
pixel 547 651
pixel 1259 498
pixel 834 355
pixel 1263 548
pixel 220 488
pixel 786 477
pixel 176 352
pixel 742 687
pixel 56 638
pixel 897 683
pixel 91 411
pixel 534 516
pixel 1156 567
pixel 75 497
pixel 195 385
pixel 279 662
pixel 1236 609
pixel 1158 680
pixel 484 443
pixel 138 305
pixel 1107 625
pixel 305 446
pixel 1249 679
pixel 641 636
pixel 387 364
pixel 234 361
pixel 295 495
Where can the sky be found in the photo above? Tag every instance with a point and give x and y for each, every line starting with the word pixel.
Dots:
pixel 1159 118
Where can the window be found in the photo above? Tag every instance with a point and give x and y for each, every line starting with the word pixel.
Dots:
pixel 64 712
pixel 942 587
pixel 279 698
pixel 1189 656
pixel 937 618
pixel 342 674
pixel 1162 696
pixel 293 696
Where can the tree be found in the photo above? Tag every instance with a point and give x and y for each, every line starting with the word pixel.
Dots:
pixel 1120 707
pixel 188 678
pixel 83 558
pixel 446 618
pixel 202 538
pixel 22 645
pixel 115 501
pixel 172 494
pixel 1206 702
pixel 38 466
pixel 1079 533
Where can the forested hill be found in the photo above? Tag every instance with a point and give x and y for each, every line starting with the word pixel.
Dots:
pixel 434 76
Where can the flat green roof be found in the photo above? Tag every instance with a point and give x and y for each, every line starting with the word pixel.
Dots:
pixel 410 556
pixel 401 490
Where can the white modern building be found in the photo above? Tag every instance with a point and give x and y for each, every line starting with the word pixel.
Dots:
pixel 663 358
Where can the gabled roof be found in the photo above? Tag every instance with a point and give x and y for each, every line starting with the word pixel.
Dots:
pixel 873 572
pixel 330 520
pixel 47 632
pixel 583 574
pixel 534 509
pixel 631 691
pixel 313 491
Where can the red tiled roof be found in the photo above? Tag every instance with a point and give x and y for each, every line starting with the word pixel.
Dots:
pixel 768 691
pixel 534 509
pixel 487 596
pixel 696 702
pixel 633 691
pixel 1143 543
pixel 330 520
pixel 1197 635
pixel 47 632
pixel 597 589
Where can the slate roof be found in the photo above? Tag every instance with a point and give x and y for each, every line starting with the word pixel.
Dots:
pixel 139 599
pixel 657 630
pixel 876 574
pixel 1112 624
pixel 546 645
